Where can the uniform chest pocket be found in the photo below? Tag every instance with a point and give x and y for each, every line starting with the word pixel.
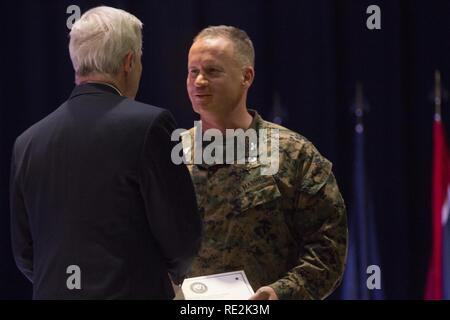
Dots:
pixel 256 190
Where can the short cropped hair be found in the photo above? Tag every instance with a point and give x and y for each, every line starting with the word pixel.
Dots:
pixel 241 41
pixel 101 38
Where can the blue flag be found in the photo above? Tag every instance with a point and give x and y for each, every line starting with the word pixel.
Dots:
pixel 363 274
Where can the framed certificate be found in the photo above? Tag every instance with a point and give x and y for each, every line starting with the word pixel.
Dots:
pixel 222 286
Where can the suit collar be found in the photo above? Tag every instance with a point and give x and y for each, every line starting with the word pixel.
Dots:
pixel 92 88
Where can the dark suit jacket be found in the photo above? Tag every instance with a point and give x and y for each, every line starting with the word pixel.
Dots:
pixel 93 186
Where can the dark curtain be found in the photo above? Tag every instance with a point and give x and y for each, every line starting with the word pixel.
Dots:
pixel 309 57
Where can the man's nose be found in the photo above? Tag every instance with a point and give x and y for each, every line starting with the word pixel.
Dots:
pixel 200 80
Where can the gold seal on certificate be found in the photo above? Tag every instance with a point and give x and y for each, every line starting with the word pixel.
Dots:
pixel 222 286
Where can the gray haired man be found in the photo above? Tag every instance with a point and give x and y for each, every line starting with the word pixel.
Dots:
pixel 98 209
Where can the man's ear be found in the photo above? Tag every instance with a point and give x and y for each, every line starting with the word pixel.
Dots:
pixel 128 62
pixel 248 76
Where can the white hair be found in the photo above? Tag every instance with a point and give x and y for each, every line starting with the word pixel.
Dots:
pixel 101 38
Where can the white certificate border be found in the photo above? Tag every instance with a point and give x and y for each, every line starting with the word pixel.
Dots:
pixel 219 275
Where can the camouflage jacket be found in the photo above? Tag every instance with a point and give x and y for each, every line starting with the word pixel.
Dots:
pixel 287 230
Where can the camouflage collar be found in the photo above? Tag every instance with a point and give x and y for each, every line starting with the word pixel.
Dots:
pixel 257 120
pixel 191 141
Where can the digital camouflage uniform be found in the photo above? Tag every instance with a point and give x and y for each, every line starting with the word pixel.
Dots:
pixel 287 230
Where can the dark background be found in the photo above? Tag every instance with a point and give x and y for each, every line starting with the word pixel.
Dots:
pixel 309 57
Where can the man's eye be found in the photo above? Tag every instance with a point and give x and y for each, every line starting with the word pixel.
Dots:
pixel 193 72
pixel 213 71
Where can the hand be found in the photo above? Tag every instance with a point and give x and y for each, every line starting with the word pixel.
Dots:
pixel 264 293
pixel 178 292
pixel 176 288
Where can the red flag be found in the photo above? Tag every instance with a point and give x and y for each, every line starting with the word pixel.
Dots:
pixel 441 182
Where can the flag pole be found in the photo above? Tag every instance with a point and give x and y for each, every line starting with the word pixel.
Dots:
pixel 437 95
pixel 359 99
pixel 358 107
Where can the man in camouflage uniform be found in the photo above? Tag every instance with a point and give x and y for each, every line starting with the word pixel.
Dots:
pixel 287 231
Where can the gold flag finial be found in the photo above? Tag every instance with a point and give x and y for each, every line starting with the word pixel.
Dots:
pixel 359 102
pixel 359 107
pixel 437 94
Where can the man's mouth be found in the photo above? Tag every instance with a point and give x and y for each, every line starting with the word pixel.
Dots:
pixel 203 97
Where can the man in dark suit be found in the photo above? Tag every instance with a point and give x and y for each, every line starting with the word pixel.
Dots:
pixel 98 209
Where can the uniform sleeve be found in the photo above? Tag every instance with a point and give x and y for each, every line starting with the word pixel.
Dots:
pixel 170 199
pixel 21 240
pixel 320 228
